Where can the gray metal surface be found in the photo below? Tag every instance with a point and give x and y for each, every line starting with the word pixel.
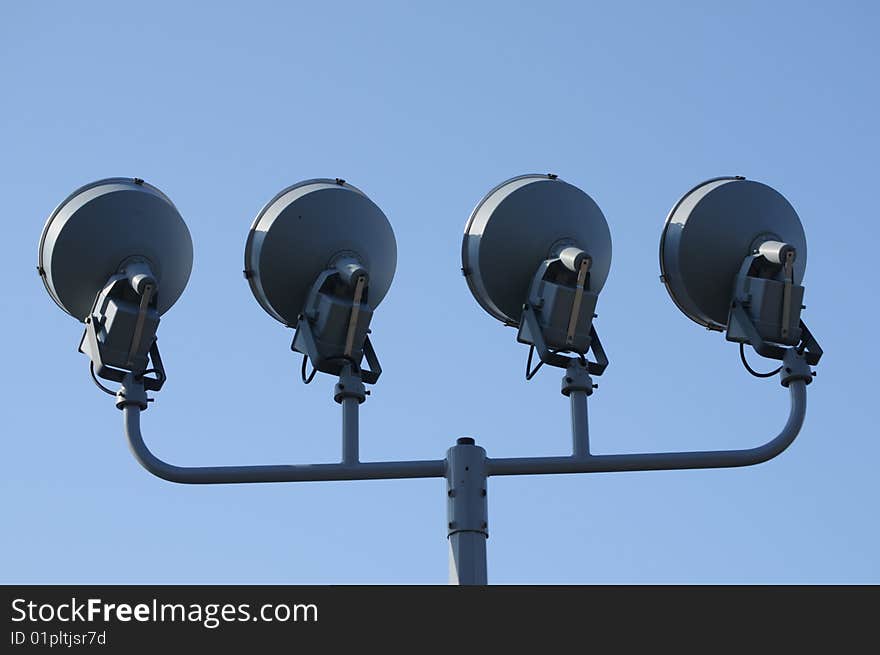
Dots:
pixel 269 473
pixel 102 226
pixel 580 425
pixel 665 461
pixel 132 400
pixel 350 431
pixel 578 386
pixel 320 224
pixel 708 234
pixel 303 231
pixel 518 225
pixel 795 375
pixel 467 513
pixel 466 467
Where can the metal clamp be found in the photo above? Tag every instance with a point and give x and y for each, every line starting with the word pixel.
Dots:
pixel 788 274
pixel 350 385
pixel 577 378
pixel 146 297
pixel 795 367
pixel 578 298
pixel 355 310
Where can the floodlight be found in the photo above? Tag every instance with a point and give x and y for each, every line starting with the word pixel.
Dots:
pixel 732 256
pixel 536 253
pixel 116 255
pixel 320 257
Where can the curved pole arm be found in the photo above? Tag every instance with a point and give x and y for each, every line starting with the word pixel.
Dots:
pixel 132 400
pixel 664 461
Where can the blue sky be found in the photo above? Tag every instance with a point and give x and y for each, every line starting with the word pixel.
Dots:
pixel 425 108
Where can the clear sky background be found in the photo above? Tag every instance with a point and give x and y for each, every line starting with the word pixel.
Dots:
pixel 426 106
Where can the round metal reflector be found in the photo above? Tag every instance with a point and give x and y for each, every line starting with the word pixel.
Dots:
pixel 709 233
pixel 103 225
pixel 518 225
pixel 303 231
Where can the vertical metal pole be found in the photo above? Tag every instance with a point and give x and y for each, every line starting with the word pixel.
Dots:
pixel 578 386
pixel 580 426
pixel 350 393
pixel 467 512
pixel 350 447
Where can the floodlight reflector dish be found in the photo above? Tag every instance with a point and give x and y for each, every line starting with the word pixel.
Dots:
pixel 105 225
pixel 308 228
pixel 518 225
pixel 709 233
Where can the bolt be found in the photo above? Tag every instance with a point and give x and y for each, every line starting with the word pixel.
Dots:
pixel 138 181
pixel 569 380
pixel 483 492
pixel 465 441
pixel 596 386
pixel 451 524
pixel 451 493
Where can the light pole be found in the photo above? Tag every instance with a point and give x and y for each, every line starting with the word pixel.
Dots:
pixel 137 276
